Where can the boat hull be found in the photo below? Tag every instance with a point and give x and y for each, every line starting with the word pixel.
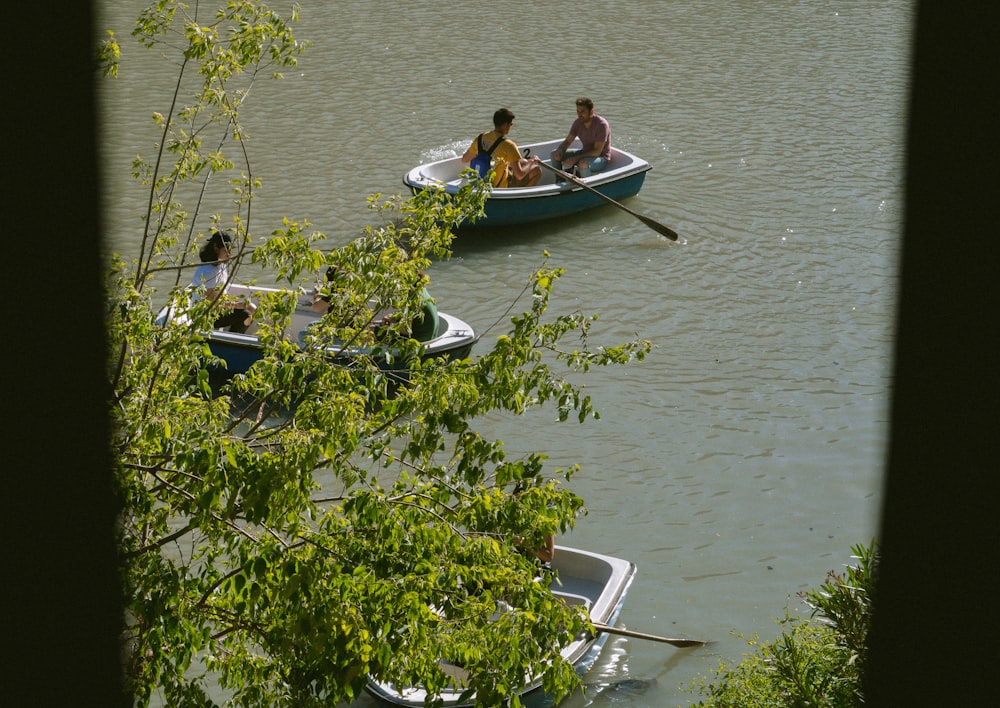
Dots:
pixel 622 179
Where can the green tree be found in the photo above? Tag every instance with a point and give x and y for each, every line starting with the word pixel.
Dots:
pixel 312 524
pixel 817 662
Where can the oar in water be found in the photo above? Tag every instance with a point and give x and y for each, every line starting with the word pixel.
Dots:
pixel 652 637
pixel 651 223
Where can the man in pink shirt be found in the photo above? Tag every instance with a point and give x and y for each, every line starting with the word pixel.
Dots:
pixel 594 133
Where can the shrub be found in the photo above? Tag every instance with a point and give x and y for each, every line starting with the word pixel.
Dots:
pixel 817 661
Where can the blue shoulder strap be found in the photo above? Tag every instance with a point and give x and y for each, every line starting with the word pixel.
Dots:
pixel 493 146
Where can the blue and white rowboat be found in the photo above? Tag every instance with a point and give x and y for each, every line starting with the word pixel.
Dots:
pixel 623 178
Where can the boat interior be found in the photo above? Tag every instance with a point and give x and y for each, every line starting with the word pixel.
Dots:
pixel 449 171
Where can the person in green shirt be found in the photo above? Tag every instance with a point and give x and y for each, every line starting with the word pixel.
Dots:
pixel 427 324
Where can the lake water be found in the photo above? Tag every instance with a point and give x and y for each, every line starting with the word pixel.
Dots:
pixel 739 462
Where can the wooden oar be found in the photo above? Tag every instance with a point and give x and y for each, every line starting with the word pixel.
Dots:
pixel 654 225
pixel 652 637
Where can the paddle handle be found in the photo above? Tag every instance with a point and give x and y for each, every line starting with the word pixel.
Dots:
pixel 651 637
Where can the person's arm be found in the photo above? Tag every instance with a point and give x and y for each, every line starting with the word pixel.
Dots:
pixel 547 553
pixel 510 153
pixel 208 277
pixel 243 303
pixel 564 145
pixel 594 151
pixel 471 152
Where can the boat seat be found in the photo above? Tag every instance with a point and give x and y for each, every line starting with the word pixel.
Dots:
pixel 433 179
pixel 573 599
pixel 458 674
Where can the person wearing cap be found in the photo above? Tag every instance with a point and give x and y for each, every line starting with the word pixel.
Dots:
pixel 213 275
pixel 595 135
pixel 509 168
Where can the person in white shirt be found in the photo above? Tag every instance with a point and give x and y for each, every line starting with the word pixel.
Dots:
pixel 213 275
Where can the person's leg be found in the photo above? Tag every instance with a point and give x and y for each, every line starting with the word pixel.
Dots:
pixel 567 157
pixel 236 320
pixel 591 165
pixel 534 173
pixel 243 320
pixel 570 168
pixel 525 173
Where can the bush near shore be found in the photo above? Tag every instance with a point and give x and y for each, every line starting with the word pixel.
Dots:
pixel 818 661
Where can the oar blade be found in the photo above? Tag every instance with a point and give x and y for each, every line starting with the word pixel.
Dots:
pixel 660 228
pixel 683 643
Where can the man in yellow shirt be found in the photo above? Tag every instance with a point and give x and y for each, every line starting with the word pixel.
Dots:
pixel 509 168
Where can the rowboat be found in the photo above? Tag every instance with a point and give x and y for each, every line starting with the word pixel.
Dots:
pixel 592 580
pixel 239 351
pixel 548 199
